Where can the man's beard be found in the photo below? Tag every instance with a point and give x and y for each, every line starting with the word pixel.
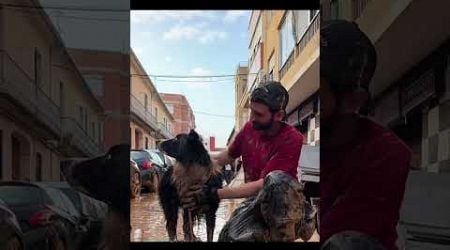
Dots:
pixel 263 127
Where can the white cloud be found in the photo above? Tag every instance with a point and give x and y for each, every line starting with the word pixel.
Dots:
pixel 168 58
pixel 233 15
pixel 199 71
pixel 155 16
pixel 197 32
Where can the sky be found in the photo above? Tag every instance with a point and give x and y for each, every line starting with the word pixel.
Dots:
pixel 195 43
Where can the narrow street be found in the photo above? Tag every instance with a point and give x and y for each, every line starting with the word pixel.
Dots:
pixel 146 209
pixel 148 223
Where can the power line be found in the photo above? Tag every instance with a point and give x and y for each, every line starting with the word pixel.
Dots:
pixel 191 76
pixel 71 8
pixel 65 15
pixel 196 81
pixel 210 114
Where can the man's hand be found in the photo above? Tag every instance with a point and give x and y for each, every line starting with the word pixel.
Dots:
pixel 199 195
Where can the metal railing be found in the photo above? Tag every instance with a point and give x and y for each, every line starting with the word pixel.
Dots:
pixel 138 109
pixel 79 138
pixel 164 131
pixel 313 28
pixel 15 82
pixel 358 7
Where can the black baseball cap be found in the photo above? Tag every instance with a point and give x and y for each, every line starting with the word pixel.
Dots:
pixel 347 56
pixel 272 94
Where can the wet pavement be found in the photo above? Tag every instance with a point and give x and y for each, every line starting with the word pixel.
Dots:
pixel 148 223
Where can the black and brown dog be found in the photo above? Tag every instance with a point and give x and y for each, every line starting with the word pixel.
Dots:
pixel 106 178
pixel 193 167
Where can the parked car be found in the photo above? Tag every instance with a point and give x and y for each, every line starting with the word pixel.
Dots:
pixel 309 175
pixel 92 213
pixel 135 180
pixel 46 216
pixel 167 160
pixel 11 237
pixel 150 166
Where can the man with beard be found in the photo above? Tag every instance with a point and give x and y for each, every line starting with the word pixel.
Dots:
pixel 270 150
pixel 364 166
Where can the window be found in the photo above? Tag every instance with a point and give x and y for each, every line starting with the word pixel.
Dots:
pixel 38 167
pixel 80 115
pixel 334 9
pixel 145 102
pixel 93 129
pixel 156 113
pixel 37 67
pixel 271 64
pixel 146 142
pixel 61 97
pixel 287 41
pixel 302 21
pixel 99 134
pixel 85 120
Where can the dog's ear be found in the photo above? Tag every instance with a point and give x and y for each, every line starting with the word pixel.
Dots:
pixel 117 150
pixel 194 135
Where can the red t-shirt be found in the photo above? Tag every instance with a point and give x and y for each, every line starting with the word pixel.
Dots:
pixel 262 154
pixel 362 185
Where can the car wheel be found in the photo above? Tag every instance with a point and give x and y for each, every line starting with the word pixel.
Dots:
pixel 13 244
pixel 135 185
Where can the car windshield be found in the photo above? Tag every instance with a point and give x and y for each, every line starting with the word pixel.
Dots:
pixel 61 200
pixel 73 196
pixel 137 155
pixel 20 195
pixel 156 158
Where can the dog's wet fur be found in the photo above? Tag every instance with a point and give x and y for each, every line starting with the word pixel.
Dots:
pixel 193 167
pixel 106 178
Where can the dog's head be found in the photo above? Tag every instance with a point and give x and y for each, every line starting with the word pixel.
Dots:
pixel 187 149
pixel 105 178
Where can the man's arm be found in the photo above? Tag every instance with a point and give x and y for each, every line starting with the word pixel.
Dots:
pixel 223 158
pixel 245 190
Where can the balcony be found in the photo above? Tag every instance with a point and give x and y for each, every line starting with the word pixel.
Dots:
pixel 312 30
pixel 358 7
pixel 75 136
pixel 18 86
pixel 139 110
pixel 164 131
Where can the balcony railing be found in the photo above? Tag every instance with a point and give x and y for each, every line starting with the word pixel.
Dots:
pixel 17 84
pixel 139 109
pixel 79 138
pixel 358 7
pixel 313 28
pixel 164 131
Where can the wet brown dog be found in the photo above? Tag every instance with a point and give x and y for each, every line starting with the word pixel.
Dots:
pixel 193 167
